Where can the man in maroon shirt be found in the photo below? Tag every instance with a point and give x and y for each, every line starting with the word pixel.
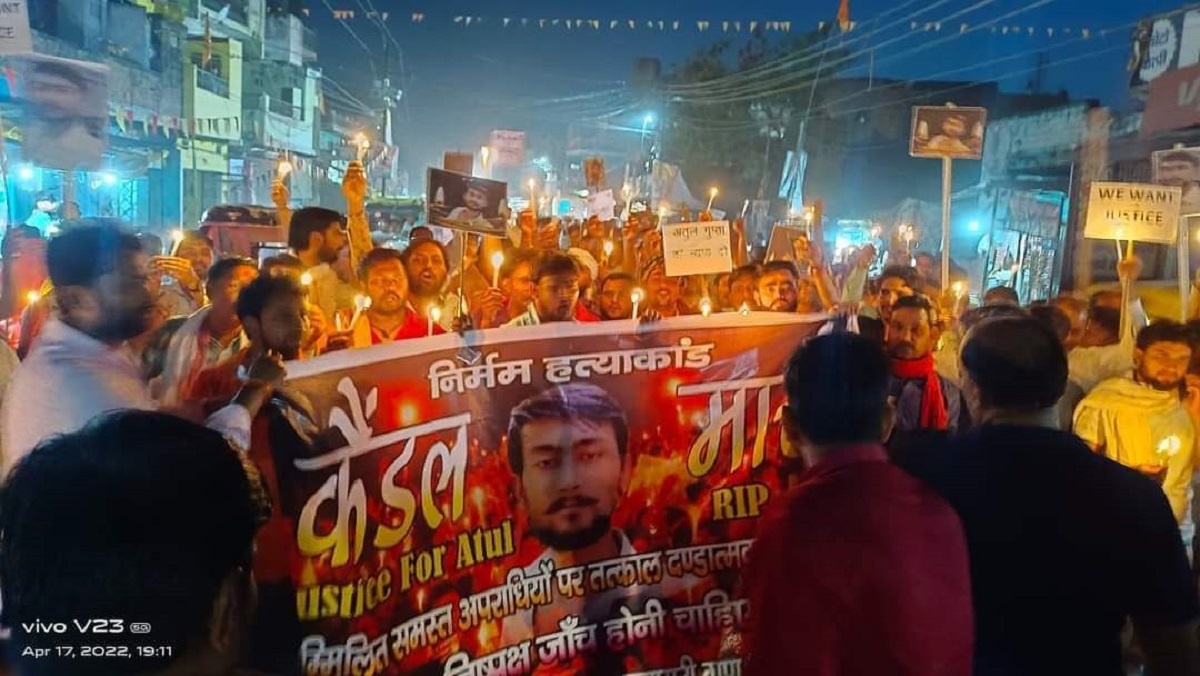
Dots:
pixel 859 569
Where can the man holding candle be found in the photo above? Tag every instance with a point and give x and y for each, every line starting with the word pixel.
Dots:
pixel 664 295
pixel 425 262
pixel 1140 421
pixel 388 316
pixel 511 296
pixel 317 237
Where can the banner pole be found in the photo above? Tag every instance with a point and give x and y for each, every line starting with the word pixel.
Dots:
pixel 947 176
pixel 1185 273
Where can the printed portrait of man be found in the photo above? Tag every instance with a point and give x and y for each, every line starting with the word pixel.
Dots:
pixel 569 450
pixel 1180 168
pixel 66 104
pixel 475 203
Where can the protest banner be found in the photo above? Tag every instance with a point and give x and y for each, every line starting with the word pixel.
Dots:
pixel 697 248
pixel 578 498
pixel 15 36
pixel 508 147
pixel 602 205
pixel 1133 211
pixel 466 203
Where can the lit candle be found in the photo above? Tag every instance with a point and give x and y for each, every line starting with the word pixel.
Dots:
pixel 712 195
pixel 1167 448
pixel 745 309
pixel 435 315
pixel 361 303
pixel 958 290
pixel 283 169
pixel 177 235
pixel 363 146
pixel 706 307
pixel 662 217
pixel 636 297
pixel 608 249
pixel 306 279
pixel 33 297
pixel 533 195
pixel 497 261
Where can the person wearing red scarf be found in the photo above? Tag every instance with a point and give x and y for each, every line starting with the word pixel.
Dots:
pixel 924 401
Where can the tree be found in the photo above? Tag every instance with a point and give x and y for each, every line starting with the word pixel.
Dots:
pixel 731 115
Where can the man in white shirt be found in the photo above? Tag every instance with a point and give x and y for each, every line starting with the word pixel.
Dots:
pixel 317 236
pixel 80 368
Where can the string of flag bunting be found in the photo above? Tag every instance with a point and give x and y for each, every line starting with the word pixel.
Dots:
pixel 703 26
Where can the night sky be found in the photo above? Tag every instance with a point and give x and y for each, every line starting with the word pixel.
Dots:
pixel 460 82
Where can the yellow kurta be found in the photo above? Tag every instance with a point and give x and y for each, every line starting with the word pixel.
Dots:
pixel 1130 422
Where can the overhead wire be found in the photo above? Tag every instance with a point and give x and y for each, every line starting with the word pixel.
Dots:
pixel 781 85
pixel 789 60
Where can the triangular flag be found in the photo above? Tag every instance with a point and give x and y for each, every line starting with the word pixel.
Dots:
pixel 612 25
pixel 418 17
pixel 737 25
pixel 1031 31
pixel 458 19
pixel 1004 31
pixel 541 23
pixel 569 24
pixel 725 26
pixel 938 27
pixel 632 24
pixel 787 26
pixel 578 23
pixel 753 26
pixel 675 25
pixel 1086 33
pixel 524 22
pixel 962 28
pixel 702 25
pixel 554 22
pixel 595 24
pixel 468 21
pixel 843 15
pixel 913 26
pixel 506 20
pixel 821 26
pixel 650 25
pixel 1050 32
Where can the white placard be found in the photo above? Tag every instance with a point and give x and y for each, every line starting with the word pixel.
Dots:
pixel 508 147
pixel 602 205
pixel 697 248
pixel 1133 211
pixel 15 37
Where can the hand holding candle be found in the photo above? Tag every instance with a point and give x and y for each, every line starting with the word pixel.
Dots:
pixel 706 307
pixel 283 169
pixel 363 146
pixel 361 304
pixel 435 315
pixel 497 262
pixel 636 297
pixel 712 195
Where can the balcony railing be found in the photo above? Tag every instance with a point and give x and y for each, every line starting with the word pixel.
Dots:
pixel 211 82
pixel 281 107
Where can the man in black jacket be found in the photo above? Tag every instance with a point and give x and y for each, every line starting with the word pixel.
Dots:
pixel 1065 545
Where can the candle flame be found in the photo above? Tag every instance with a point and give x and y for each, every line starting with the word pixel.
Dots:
pixel 608 248
pixel 636 295
pixel 306 279
pixel 284 168
pixel 177 235
pixel 435 313
pixel 745 309
pixel 497 259
pixel 713 192
pixel 1169 446
pixel 958 288
pixel 33 297
pixel 706 307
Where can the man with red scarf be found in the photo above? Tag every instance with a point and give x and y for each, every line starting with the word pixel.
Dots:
pixel 924 401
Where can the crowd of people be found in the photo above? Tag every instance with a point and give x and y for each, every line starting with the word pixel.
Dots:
pixel 993 490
